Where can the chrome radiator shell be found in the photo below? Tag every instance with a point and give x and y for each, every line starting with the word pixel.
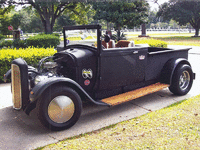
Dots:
pixel 16 86
pixel 19 83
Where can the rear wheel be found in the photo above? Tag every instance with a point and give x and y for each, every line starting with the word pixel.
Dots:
pixel 182 80
pixel 59 107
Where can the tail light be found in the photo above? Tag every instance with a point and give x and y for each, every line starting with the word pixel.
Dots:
pixel 19 77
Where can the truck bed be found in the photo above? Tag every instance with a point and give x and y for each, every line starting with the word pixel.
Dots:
pixel 157 57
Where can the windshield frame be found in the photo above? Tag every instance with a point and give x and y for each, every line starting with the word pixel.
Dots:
pixel 82 27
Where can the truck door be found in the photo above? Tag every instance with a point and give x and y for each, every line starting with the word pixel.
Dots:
pixel 122 67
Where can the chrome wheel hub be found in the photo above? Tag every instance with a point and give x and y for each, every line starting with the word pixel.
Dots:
pixel 184 80
pixel 61 109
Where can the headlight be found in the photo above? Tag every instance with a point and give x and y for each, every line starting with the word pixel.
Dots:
pixel 40 78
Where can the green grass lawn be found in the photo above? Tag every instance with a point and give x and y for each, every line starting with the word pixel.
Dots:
pixel 178 40
pixel 181 40
pixel 174 127
pixel 154 34
pixel 171 38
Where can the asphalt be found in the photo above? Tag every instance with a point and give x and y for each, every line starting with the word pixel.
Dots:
pixel 22 132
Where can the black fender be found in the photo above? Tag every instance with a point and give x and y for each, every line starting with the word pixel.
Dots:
pixel 169 68
pixel 37 91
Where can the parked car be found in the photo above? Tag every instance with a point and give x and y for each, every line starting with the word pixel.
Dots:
pixel 96 70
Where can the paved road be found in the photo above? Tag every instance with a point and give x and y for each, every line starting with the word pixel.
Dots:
pixel 19 131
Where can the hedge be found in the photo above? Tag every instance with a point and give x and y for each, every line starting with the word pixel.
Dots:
pixel 53 34
pixel 151 42
pixel 10 43
pixel 30 55
pixel 43 41
pixel 6 43
pixel 157 43
pixel 40 41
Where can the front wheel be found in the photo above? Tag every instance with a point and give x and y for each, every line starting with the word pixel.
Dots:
pixel 182 80
pixel 59 107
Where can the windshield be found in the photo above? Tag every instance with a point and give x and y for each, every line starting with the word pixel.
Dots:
pixel 82 36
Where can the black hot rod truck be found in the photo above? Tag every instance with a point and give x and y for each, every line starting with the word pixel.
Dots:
pixel 96 69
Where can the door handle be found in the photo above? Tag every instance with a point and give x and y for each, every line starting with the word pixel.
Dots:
pixel 135 52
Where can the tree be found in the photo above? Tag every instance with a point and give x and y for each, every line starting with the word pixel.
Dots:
pixel 5 22
pixel 30 22
pixel 183 12
pixel 5 9
pixel 122 13
pixel 63 20
pixel 35 25
pixel 152 19
pixel 16 20
pixel 50 10
pixel 4 19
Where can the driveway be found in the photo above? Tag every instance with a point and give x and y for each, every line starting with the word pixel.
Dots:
pixel 19 131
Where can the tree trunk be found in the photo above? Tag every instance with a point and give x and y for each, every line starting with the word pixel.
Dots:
pixel 143 29
pixel 196 31
pixel 48 28
pixel 47 16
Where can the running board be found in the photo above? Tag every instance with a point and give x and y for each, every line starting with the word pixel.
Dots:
pixel 125 97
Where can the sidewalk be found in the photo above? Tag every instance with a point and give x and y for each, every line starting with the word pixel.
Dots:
pixel 5 95
pixel 194 50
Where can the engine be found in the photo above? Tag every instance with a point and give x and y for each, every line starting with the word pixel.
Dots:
pixel 45 70
pixel 51 66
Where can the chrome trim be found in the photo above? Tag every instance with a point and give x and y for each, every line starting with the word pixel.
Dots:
pixel 16 87
pixel 184 80
pixel 61 109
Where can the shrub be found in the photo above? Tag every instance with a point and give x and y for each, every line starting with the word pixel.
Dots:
pixel 2 36
pixel 74 38
pixel 6 43
pixel 43 41
pixel 152 43
pixel 10 43
pixel 56 34
pixel 30 55
pixel 157 43
pixel 19 43
pixel 53 34
pixel 115 38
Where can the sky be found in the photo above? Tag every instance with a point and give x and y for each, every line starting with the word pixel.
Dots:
pixel 151 3
pixel 155 6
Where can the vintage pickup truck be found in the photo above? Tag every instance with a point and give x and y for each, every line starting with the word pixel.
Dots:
pixel 91 67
